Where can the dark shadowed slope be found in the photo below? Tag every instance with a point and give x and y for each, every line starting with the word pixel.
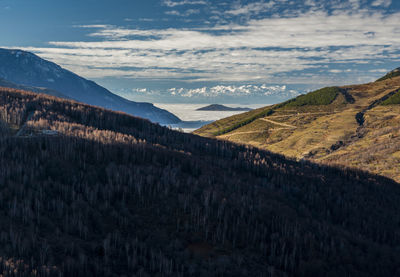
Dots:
pixel 24 68
pixel 89 192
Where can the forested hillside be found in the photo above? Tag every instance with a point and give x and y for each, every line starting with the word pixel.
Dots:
pixel 355 126
pixel 89 192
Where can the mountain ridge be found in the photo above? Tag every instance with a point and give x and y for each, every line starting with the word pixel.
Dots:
pixel 391 74
pixel 27 69
pixel 343 129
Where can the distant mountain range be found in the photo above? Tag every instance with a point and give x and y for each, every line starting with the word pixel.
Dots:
pixel 217 107
pixel 24 70
pixel 355 126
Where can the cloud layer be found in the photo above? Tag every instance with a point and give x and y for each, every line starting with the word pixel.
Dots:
pixel 219 93
pixel 233 91
pixel 283 47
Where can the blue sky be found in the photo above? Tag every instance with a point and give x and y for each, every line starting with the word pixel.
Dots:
pixel 209 51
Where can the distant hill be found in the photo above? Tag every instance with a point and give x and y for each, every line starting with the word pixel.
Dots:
pixel 217 107
pixel 26 69
pixel 356 126
pixel 86 191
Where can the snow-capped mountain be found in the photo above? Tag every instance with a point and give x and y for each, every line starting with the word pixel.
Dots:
pixel 26 69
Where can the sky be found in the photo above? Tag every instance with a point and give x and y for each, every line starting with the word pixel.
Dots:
pixel 207 51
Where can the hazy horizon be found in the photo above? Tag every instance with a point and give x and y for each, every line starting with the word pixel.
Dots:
pixel 193 119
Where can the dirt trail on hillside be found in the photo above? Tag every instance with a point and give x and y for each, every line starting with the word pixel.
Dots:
pixel 252 132
pixel 285 126
pixel 240 133
pixel 298 114
pixel 278 123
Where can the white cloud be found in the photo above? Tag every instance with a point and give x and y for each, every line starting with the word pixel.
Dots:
pixel 311 3
pixel 140 90
pixel 308 30
pixel 171 3
pixel 355 4
pixel 384 3
pixel 380 70
pixel 93 26
pixel 251 8
pixel 188 12
pixel 227 91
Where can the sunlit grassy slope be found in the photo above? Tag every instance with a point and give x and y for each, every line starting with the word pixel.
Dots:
pixel 392 100
pixel 357 126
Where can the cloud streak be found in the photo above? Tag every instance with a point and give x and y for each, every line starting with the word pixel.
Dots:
pixel 188 12
pixel 170 3
pixel 251 8
pixel 384 3
pixel 310 30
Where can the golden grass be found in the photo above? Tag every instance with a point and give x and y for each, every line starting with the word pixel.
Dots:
pixel 379 149
pixel 313 131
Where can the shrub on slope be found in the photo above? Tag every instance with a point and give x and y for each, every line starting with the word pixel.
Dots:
pixel 392 100
pixel 324 96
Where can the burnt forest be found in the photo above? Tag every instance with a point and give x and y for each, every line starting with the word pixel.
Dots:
pixel 86 191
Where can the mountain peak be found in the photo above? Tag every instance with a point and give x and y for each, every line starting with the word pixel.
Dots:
pixel 218 107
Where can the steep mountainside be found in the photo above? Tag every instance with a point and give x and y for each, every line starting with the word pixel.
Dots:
pixel 27 69
pixel 356 126
pixel 89 192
